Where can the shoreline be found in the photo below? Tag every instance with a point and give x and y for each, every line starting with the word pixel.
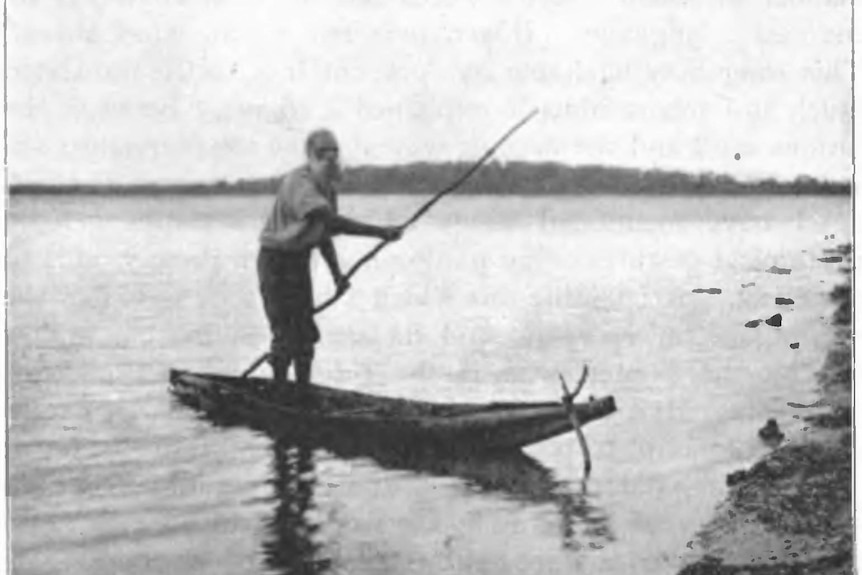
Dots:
pixel 510 178
pixel 172 193
pixel 791 512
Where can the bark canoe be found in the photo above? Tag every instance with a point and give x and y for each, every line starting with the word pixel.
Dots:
pixel 327 411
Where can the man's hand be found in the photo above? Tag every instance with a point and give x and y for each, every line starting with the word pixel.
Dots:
pixel 342 284
pixel 391 233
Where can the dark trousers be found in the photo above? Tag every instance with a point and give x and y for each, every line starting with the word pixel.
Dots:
pixel 288 300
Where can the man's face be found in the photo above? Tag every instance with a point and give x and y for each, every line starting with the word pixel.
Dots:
pixel 323 158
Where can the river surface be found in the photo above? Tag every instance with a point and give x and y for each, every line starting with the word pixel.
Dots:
pixel 484 299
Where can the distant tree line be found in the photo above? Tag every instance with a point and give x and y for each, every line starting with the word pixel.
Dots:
pixel 511 178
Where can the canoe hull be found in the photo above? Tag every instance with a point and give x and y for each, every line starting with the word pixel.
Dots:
pixel 327 413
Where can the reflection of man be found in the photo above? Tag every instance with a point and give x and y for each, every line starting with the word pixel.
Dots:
pixel 304 216
pixel 292 544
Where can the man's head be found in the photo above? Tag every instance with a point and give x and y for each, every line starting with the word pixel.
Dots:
pixel 321 149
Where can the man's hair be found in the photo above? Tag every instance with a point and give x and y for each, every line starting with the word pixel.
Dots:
pixel 314 136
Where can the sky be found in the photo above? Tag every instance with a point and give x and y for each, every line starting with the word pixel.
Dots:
pixel 123 91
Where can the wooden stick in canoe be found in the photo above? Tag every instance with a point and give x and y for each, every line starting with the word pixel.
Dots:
pixel 568 399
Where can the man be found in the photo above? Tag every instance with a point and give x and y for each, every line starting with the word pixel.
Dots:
pixel 304 216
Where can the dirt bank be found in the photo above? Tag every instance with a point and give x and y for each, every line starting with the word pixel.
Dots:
pixel 791 513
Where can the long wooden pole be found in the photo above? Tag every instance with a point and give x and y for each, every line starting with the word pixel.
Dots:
pixel 428 205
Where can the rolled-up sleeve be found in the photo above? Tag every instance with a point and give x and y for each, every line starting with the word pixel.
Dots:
pixel 307 200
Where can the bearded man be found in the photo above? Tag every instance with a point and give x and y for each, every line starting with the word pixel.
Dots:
pixel 304 217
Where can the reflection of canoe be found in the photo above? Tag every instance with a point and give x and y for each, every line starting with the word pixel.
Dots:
pixel 393 421
pixel 292 547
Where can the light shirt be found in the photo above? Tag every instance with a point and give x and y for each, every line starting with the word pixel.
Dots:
pixel 288 227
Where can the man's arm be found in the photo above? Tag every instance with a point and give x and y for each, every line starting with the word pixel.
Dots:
pixel 337 224
pixel 330 256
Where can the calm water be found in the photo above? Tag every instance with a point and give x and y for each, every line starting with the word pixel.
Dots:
pixel 485 299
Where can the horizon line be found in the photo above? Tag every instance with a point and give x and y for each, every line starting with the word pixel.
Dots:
pixel 609 167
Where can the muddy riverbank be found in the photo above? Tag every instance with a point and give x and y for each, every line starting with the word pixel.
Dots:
pixel 791 512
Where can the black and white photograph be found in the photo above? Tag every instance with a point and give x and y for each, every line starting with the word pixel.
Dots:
pixel 490 287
